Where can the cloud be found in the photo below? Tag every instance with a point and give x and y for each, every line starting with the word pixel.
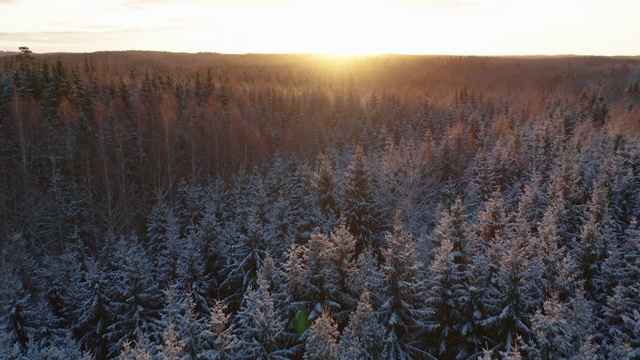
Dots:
pixel 96 39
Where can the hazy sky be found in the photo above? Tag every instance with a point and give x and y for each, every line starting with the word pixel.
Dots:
pixel 480 27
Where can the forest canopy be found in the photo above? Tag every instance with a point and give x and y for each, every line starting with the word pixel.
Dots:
pixel 211 206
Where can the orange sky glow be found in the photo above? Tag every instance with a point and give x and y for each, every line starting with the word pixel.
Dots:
pixel 454 27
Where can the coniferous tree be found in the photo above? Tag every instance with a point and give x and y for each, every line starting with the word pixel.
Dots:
pixel 402 311
pixel 140 349
pixel 344 245
pixel 191 277
pixel 448 295
pixel 552 265
pixel 219 342
pixel 92 316
pixel 482 182
pixel 622 311
pixel 181 321
pixel 62 348
pixel 245 255
pixel 360 209
pixel 173 346
pixel 325 187
pixel 363 337
pixel 596 239
pixel 565 193
pixel 261 331
pixel 20 318
pixel 136 299
pixel 552 330
pixel 322 341
pixel 367 276
pixel 563 329
pixel 163 233
pixel 302 213
pixel 487 250
pixel 509 306
pixel 276 278
pixel 314 278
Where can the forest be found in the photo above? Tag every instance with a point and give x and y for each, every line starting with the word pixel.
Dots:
pixel 159 205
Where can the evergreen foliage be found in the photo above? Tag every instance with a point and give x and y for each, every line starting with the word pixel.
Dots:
pixel 208 206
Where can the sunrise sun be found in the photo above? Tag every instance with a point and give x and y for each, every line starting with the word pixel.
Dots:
pixel 336 27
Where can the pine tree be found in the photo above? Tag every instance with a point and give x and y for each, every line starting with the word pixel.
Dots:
pixel 322 341
pixel 245 254
pixel 180 313
pixel 19 318
pixel 596 238
pixel 163 233
pixel 407 181
pixel 141 349
pixel 191 277
pixel 317 274
pixel 622 311
pixel 92 314
pixel 402 311
pixel 551 265
pixel 219 340
pixel 302 213
pixel 448 294
pixel 566 194
pixel 325 186
pixel 533 201
pixel 487 251
pixel 482 180
pixel 360 210
pixel 190 207
pixel 343 244
pixel 492 220
pixel 363 337
pixel 563 330
pixel 261 331
pixel 173 346
pixel 137 300
pixel 551 328
pixel 61 276
pixel 509 306
pixel 9 349
pixel 208 236
pixel 61 348
pixel 276 278
pixel 367 276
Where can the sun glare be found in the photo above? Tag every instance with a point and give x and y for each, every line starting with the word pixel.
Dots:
pixel 338 27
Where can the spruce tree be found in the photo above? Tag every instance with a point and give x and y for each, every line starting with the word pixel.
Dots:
pixel 322 341
pixel 510 302
pixel 448 293
pixel 360 209
pixel 325 186
pixel 364 335
pixel 260 331
pixel 402 312
pixel 140 349
pixel 219 342
pixel 136 299
pixel 92 315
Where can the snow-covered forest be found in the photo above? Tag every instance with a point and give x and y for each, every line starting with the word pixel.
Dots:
pixel 206 206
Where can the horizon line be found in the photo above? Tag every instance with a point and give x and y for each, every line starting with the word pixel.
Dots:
pixel 338 55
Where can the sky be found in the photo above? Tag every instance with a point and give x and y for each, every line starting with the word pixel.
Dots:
pixel 450 27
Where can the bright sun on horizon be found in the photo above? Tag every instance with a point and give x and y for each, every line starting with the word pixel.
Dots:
pixel 335 27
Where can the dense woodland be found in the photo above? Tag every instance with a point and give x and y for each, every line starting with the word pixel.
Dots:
pixel 208 206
